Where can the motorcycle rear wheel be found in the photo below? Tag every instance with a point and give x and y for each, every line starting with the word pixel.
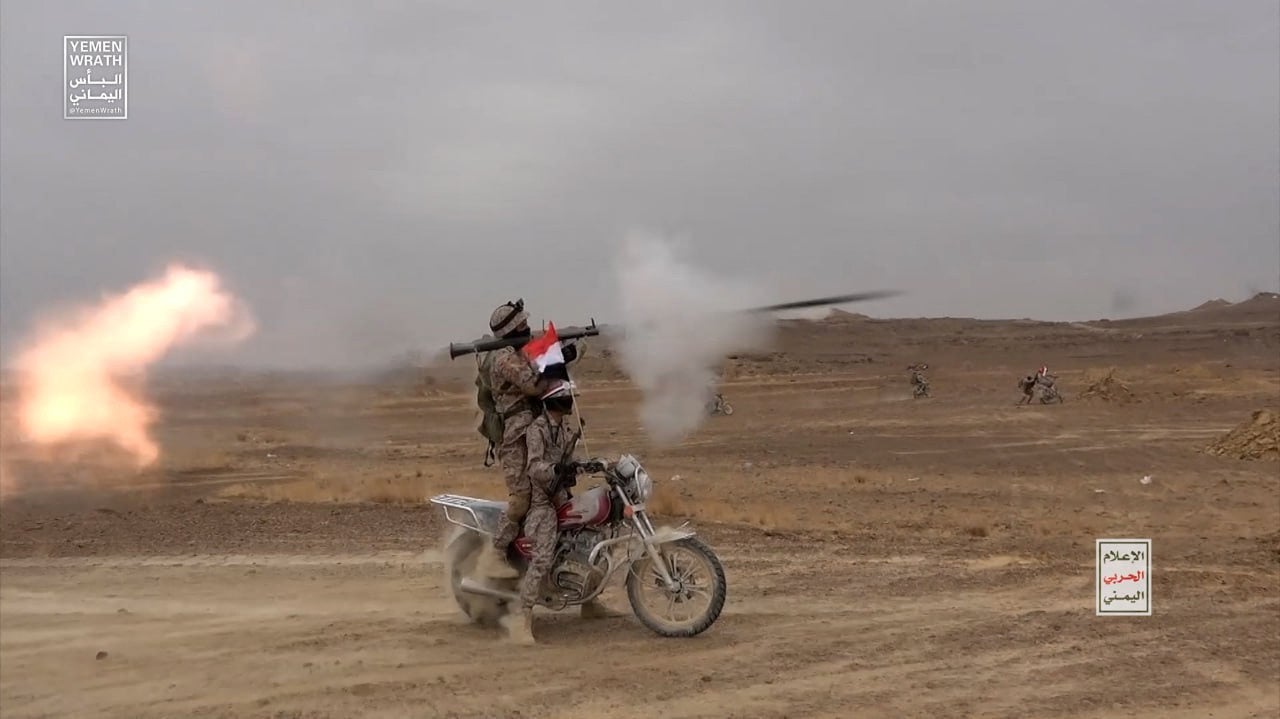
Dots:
pixel 462 551
pixel 688 559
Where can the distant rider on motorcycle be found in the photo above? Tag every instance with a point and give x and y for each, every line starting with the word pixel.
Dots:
pixel 1043 378
pixel 919 384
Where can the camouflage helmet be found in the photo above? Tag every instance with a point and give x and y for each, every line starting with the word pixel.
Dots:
pixel 507 318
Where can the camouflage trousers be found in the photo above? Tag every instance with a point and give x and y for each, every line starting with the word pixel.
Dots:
pixel 540 527
pixel 513 458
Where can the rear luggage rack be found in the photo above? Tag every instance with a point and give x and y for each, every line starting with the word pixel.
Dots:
pixel 454 505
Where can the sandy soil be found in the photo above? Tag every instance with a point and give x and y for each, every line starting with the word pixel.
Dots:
pixel 886 557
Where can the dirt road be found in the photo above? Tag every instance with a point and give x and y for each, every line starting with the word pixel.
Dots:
pixel 843 634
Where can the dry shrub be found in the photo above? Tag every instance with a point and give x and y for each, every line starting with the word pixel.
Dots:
pixel 669 502
pixel 1108 389
pixel 1258 438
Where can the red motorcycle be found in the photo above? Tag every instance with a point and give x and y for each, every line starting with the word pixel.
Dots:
pixel 675 582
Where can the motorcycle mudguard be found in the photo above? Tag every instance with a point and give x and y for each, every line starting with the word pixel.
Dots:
pixel 481 515
pixel 667 535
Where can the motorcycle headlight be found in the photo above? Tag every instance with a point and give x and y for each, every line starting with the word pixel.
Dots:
pixel 626 466
pixel 643 485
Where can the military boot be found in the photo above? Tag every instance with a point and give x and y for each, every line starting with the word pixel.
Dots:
pixel 519 626
pixel 594 609
pixel 492 564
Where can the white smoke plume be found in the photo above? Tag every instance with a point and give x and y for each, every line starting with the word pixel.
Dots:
pixel 680 323
pixel 78 375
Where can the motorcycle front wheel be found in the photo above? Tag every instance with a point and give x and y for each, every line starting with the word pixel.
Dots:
pixel 727 409
pixel 698 599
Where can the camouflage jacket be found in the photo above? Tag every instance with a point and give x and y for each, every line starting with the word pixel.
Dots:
pixel 513 379
pixel 549 443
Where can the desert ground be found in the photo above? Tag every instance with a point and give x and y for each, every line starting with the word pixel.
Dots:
pixel 886 556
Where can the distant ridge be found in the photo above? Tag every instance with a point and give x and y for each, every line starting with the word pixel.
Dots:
pixel 1263 298
pixel 839 315
pixel 1264 307
pixel 1211 304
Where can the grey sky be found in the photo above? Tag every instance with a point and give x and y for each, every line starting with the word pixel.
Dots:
pixel 375 177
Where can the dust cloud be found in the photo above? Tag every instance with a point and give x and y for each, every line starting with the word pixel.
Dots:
pixel 78 376
pixel 679 325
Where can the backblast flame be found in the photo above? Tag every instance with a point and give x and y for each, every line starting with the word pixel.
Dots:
pixel 71 374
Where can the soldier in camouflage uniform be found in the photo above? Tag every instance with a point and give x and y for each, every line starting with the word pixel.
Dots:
pixel 1028 386
pixel 1044 379
pixel 516 386
pixel 1047 383
pixel 919 385
pixel 550 443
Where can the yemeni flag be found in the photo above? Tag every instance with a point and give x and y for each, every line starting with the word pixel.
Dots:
pixel 546 355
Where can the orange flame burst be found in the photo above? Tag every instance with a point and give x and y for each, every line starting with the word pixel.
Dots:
pixel 70 375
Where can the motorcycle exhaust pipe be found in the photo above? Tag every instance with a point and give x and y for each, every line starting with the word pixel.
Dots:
pixel 470 585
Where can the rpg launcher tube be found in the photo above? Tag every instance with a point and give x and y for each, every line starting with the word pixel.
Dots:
pixel 457 349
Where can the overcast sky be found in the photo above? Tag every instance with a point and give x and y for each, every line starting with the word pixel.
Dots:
pixel 374 177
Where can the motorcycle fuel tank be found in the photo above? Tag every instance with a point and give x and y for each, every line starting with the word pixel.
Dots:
pixel 590 507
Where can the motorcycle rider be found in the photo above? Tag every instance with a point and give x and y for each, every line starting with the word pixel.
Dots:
pixel 714 401
pixel 1046 381
pixel 550 443
pixel 516 386
pixel 714 397
pixel 1043 378
pixel 917 375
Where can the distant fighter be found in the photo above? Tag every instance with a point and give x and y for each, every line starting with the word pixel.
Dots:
pixel 1028 386
pixel 1043 378
pixel 1048 386
pixel 919 385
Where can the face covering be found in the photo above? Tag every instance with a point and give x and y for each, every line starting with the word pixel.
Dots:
pixel 562 407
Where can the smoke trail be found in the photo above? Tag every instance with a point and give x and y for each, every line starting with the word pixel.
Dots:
pixel 76 376
pixel 679 326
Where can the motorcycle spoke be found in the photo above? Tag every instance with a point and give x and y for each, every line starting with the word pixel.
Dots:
pixel 691 596
pixel 698 590
pixel 685 576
